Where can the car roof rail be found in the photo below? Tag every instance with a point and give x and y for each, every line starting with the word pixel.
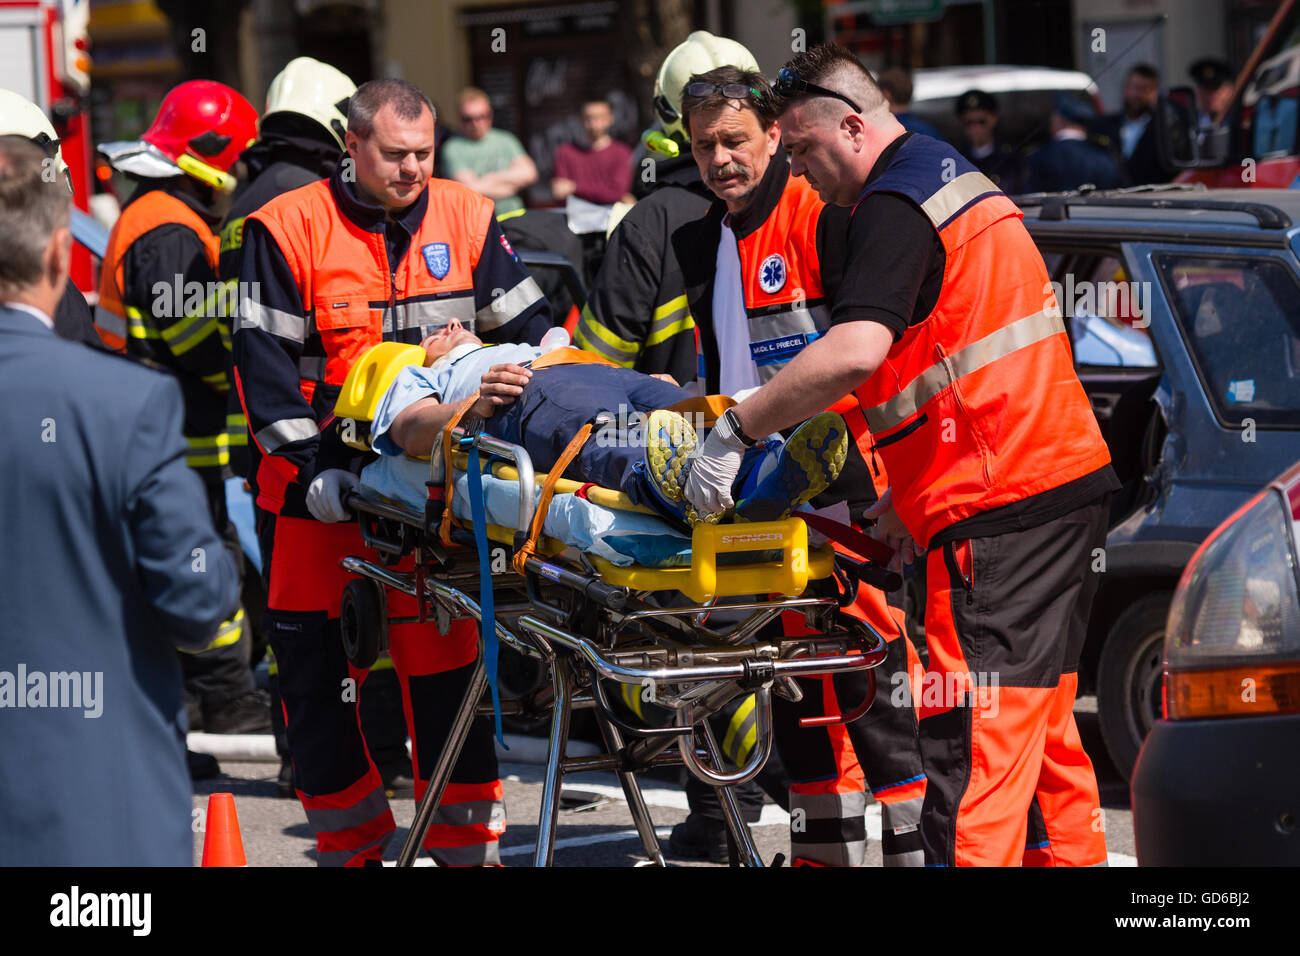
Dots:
pixel 1055 206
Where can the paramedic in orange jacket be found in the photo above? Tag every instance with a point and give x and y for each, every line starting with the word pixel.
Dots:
pixel 378 252
pixel 761 269
pixel 946 330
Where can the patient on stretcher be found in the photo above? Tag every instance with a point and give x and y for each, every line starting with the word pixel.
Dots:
pixel 637 445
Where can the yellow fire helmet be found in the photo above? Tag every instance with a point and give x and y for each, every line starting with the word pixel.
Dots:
pixel 312 89
pixel 698 53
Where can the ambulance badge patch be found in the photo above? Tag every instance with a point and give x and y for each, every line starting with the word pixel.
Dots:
pixel 771 274
pixel 437 256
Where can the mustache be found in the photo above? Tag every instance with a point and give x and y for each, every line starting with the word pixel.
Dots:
pixel 731 169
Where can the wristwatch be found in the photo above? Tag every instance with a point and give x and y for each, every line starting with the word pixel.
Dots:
pixel 733 422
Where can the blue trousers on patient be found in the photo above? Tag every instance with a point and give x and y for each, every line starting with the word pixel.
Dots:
pixel 560 400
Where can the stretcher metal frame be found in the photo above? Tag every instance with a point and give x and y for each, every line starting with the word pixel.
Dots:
pixel 588 632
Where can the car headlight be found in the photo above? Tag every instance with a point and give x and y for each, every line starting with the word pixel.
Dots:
pixel 1232 646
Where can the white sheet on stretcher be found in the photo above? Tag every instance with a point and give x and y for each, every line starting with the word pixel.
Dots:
pixel 620 537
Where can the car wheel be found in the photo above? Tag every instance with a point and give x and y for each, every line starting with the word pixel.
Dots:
pixel 1129 678
pixel 363 622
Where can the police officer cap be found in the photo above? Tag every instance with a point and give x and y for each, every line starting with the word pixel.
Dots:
pixel 1209 72
pixel 1075 109
pixel 976 100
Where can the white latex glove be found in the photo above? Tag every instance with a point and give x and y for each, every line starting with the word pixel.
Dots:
pixel 325 495
pixel 708 485
pixel 890 530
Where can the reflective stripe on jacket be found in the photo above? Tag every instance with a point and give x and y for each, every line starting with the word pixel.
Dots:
pixel 977 406
pixel 174 317
pixel 782 237
pixel 114 318
pixel 318 289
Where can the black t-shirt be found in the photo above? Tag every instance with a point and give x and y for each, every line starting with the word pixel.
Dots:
pixel 895 264
pixel 893 276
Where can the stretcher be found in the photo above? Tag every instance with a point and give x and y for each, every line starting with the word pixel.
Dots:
pixel 596 628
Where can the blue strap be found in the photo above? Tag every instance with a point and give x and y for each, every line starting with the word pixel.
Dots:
pixel 487 602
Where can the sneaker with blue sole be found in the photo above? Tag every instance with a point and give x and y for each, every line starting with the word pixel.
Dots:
pixel 806 464
pixel 670 442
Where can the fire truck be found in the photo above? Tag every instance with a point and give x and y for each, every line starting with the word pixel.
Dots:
pixel 44 55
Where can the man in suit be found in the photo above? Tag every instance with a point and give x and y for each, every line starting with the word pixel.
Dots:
pixel 1131 130
pixel 1072 158
pixel 112 563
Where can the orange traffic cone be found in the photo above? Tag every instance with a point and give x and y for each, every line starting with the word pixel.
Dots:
pixel 222 844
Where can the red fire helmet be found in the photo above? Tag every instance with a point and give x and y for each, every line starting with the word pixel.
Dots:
pixel 202 126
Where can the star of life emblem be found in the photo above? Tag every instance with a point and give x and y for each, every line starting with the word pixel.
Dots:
pixel 772 273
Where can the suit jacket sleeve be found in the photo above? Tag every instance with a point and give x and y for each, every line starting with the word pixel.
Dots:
pixel 185 571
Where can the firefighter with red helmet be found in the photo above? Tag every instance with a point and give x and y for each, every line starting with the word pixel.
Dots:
pixel 160 301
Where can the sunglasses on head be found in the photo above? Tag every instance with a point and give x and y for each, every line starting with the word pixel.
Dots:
pixel 789 83
pixel 732 91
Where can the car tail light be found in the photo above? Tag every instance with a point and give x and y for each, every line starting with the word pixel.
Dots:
pixel 1232 647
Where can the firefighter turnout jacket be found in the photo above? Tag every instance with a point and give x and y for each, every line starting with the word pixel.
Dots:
pixel 977 409
pixel 636 314
pixel 160 301
pixel 325 276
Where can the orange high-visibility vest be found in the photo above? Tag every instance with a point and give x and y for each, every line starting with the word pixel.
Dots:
pixel 114 318
pixel 343 273
pixel 978 406
pixel 781 280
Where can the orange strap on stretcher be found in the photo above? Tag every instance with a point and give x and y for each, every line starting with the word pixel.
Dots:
pixel 568 355
pixel 548 491
pixel 709 408
pixel 449 473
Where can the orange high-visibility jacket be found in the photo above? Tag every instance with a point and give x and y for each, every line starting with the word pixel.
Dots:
pixel 353 303
pixel 978 406
pixel 317 290
pixel 113 317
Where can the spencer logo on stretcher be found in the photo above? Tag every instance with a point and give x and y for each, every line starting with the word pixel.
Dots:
pixel 771 351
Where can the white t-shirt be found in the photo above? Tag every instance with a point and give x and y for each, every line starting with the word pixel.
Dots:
pixel 730 323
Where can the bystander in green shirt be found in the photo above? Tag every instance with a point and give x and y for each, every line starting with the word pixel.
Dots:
pixel 494 152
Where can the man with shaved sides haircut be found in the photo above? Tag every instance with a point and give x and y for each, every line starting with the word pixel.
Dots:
pixel 378 252
pixel 945 330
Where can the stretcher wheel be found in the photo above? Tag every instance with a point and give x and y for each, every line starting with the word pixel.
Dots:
pixel 363 622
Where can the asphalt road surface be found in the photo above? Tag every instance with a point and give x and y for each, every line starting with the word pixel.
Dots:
pixel 275 831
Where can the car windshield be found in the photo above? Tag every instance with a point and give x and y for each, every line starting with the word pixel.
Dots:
pixel 1242 319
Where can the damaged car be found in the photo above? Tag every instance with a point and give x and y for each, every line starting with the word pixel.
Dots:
pixel 1183 307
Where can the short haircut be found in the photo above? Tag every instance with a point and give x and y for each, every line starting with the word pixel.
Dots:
pixel 897 82
pixel 471 93
pixel 406 99
pixel 764 105
pixel 1146 71
pixel 34 203
pixel 836 68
